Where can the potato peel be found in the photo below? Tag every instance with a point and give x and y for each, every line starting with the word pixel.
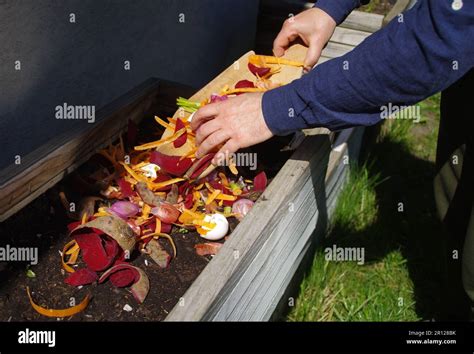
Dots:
pixel 115 228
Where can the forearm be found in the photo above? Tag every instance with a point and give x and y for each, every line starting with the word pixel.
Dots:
pixel 400 64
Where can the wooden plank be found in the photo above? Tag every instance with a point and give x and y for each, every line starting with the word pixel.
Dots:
pixel 348 36
pixel 335 179
pixel 269 256
pixel 239 71
pixel 249 236
pixel 258 286
pixel 267 280
pixel 44 167
pixel 363 21
pixel 334 50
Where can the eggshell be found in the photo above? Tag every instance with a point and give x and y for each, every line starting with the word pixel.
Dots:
pixel 150 170
pixel 220 230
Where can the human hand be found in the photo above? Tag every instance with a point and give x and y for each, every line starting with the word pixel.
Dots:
pixel 314 27
pixel 236 122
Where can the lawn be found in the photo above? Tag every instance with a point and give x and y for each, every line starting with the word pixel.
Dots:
pixel 387 209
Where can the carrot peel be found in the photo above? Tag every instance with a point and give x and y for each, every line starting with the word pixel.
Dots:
pixel 59 312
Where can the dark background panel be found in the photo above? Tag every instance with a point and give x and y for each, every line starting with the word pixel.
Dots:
pixel 82 63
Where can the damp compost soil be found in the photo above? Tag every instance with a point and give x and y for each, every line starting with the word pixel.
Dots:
pixel 43 225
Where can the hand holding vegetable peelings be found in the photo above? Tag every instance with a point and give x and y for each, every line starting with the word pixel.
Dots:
pixel 236 123
pixel 239 122
pixel 231 124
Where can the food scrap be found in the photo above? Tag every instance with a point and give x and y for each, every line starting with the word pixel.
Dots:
pixel 151 189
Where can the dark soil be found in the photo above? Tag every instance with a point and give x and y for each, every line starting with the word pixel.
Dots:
pixel 43 224
pixel 48 287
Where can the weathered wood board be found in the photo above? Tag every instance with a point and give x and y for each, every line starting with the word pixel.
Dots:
pixel 247 279
pixel 46 166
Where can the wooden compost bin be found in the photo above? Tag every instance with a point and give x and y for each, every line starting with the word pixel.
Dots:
pixel 250 277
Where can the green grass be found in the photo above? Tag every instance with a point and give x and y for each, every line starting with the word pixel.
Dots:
pixel 381 7
pixel 400 279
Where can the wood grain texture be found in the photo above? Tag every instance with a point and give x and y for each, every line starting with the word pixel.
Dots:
pixel 248 277
pixel 348 36
pixel 248 238
pixel 363 21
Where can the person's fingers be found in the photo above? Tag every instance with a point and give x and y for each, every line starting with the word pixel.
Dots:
pixel 204 114
pixel 283 40
pixel 312 55
pixel 206 129
pixel 222 156
pixel 212 141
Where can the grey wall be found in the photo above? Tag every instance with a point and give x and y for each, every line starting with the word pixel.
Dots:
pixel 82 63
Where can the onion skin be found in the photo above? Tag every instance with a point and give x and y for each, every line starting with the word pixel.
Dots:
pixel 166 212
pixel 217 98
pixel 136 229
pixel 241 208
pixel 124 209
pixel 208 248
pixel 260 182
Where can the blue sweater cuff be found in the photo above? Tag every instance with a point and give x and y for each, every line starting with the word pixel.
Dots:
pixel 338 9
pixel 278 111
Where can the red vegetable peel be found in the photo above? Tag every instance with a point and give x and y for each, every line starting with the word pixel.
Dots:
pixel 81 277
pixel 141 283
pixel 181 140
pixel 172 165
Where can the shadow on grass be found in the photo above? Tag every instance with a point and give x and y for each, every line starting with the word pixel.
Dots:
pixel 405 221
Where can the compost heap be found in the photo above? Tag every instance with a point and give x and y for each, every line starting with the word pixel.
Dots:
pixel 158 186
